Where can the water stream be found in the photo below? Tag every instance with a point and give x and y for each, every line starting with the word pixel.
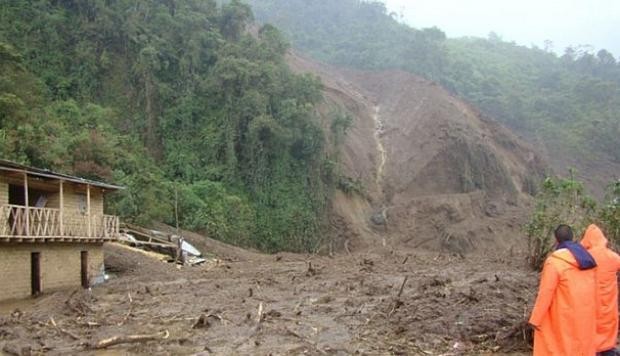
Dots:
pixel 379 127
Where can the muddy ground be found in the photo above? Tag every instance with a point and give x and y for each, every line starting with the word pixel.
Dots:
pixel 350 304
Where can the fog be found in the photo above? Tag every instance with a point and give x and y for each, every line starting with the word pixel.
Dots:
pixel 527 22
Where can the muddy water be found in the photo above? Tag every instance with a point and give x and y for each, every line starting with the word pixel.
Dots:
pixel 380 148
pixel 8 307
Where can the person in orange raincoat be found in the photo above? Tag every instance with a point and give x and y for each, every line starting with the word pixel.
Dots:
pixel 564 316
pixel 608 263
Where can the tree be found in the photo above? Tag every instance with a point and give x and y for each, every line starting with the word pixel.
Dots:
pixel 235 16
pixel 156 94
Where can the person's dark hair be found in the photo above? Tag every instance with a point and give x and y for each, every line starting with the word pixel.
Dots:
pixel 564 233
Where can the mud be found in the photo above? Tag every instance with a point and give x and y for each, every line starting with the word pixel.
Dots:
pixel 352 304
pixel 428 259
pixel 437 174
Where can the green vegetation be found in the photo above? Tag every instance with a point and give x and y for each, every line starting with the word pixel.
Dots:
pixel 571 103
pixel 564 201
pixel 560 201
pixel 164 96
pixel 610 213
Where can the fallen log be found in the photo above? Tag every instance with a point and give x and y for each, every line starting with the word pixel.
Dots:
pixel 128 339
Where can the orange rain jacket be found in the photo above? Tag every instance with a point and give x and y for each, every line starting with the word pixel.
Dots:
pixel 608 263
pixel 565 311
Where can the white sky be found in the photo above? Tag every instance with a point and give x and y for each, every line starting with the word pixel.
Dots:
pixel 527 22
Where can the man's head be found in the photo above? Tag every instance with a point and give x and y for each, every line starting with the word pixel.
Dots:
pixel 563 233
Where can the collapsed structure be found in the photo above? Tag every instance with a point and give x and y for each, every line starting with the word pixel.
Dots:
pixel 52 230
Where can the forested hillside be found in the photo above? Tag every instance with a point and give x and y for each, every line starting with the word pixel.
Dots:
pixel 168 96
pixel 569 103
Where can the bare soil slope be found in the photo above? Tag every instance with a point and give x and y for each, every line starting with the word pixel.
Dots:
pixel 437 174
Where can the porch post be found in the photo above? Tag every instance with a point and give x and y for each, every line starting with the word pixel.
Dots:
pixel 61 209
pixel 26 204
pixel 88 208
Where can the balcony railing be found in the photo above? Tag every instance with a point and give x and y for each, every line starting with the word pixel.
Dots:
pixel 17 221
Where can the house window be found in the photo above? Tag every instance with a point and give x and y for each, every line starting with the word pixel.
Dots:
pixel 17 195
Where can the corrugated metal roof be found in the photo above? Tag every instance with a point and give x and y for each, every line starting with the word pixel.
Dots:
pixel 6 165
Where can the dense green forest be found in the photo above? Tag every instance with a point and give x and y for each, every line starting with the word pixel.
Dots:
pixel 570 102
pixel 168 98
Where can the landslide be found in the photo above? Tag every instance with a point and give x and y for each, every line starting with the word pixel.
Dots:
pixel 435 173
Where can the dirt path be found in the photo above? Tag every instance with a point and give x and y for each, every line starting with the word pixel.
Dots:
pixel 310 305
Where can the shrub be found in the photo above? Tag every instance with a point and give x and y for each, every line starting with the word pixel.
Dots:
pixel 560 201
pixel 610 213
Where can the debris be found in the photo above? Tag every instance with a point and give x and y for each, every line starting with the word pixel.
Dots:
pixel 63 331
pixel 128 312
pixel 311 271
pixel 127 339
pixel 14 350
pixel 259 314
pixel 402 287
pixel 203 321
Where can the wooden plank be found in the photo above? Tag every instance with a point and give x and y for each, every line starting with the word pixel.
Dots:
pixel 155 244
pixel 145 235
pixel 26 204
pixel 46 186
pixel 62 208
pixel 88 209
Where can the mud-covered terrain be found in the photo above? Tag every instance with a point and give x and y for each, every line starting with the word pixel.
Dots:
pixel 426 251
pixel 285 305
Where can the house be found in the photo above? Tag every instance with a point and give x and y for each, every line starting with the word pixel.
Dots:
pixel 52 230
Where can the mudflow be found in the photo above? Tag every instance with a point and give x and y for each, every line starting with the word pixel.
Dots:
pixel 436 173
pixel 439 184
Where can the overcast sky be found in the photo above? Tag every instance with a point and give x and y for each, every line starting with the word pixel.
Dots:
pixel 564 22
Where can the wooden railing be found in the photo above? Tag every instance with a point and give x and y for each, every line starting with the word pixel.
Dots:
pixel 17 221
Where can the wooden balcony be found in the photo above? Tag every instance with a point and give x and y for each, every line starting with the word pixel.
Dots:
pixel 19 223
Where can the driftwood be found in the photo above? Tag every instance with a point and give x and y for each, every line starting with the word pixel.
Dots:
pixel 259 314
pixel 397 301
pixel 521 329
pixel 402 287
pixel 203 321
pixel 63 331
pixel 259 322
pixel 311 271
pixel 128 312
pixel 128 339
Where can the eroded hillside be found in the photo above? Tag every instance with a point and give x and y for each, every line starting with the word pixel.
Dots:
pixel 435 172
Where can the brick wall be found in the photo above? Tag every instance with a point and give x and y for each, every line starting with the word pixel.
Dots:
pixel 4 193
pixel 60 266
pixel 4 200
pixel 73 199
